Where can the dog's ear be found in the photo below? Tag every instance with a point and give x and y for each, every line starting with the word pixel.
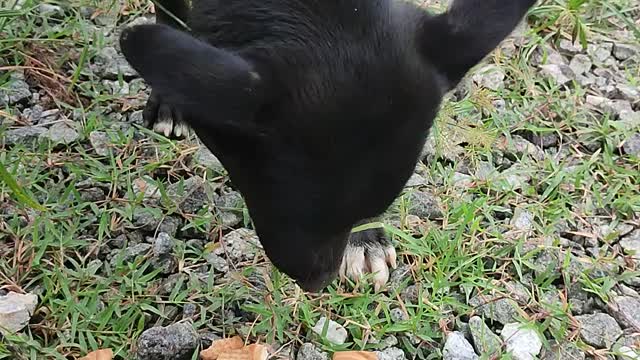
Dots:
pixel 460 38
pixel 210 85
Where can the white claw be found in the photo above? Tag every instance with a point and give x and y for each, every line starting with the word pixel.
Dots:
pixel 353 263
pixel 380 271
pixel 163 126
pixel 390 255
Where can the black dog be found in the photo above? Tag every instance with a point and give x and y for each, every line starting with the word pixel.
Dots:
pixel 318 109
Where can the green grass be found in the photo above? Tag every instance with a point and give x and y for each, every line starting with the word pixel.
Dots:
pixel 53 240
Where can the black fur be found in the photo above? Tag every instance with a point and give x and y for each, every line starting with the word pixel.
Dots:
pixel 317 108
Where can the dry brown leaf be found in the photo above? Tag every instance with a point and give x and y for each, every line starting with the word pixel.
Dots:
pixel 355 355
pixel 220 346
pixel 102 354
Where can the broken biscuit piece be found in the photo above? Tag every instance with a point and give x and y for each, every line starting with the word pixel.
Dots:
pixel 355 355
pixel 221 346
pixel 251 352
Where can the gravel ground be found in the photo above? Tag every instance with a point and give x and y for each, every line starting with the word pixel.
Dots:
pixel 518 235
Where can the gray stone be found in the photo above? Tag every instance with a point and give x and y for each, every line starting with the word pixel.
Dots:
pixel 424 205
pixel 111 64
pixel 490 77
pixel 580 64
pixel 484 340
pixel 15 91
pixel 62 133
pixel 416 180
pixel 569 47
pixel 632 145
pixel 600 52
pixel 628 92
pixel 496 308
pixel 130 253
pixel 219 263
pixel 100 142
pixel 147 219
pixel 457 347
pixel 624 52
pixel 599 330
pixel 562 74
pixel 15 311
pixel 191 194
pixel 137 117
pixel 230 206
pixel 522 221
pixel 336 333
pixel 631 244
pixel 567 351
pixel 92 194
pixel 391 353
pixel 207 159
pixel 239 245
pixel 627 353
pixel 21 135
pixel 50 10
pixel 147 187
pixel 311 352
pixel 398 315
pixel 523 343
pixel 163 244
pixel 626 309
pixel 174 342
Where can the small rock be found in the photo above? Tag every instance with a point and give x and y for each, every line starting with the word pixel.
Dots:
pixel 484 340
pixel 50 10
pixel 562 74
pixel 567 351
pixel 93 194
pixel 631 244
pixel 391 353
pixel 628 92
pixel 458 348
pixel 174 342
pixel 416 180
pixel 112 64
pixel 522 220
pixel 599 330
pixel 397 315
pixel 206 158
pixel 632 145
pixel 569 47
pixel 424 205
pixel 137 117
pixel 336 334
pixel 626 310
pixel 130 253
pixel 624 52
pixel 627 353
pixel 16 91
pixel 239 245
pixel 146 186
pixel 100 142
pixel 163 245
pixel 191 194
pixel 26 134
pixel 496 308
pixel 490 77
pixel 15 311
pixel 523 343
pixel 62 133
pixel 600 52
pixel 580 64
pixel 311 352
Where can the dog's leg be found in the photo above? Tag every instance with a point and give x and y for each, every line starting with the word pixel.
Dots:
pixel 368 251
pixel 158 114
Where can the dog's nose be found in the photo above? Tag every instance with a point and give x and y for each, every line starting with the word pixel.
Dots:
pixel 317 282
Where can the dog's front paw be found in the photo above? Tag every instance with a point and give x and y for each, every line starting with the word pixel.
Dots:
pixel 164 118
pixel 368 251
